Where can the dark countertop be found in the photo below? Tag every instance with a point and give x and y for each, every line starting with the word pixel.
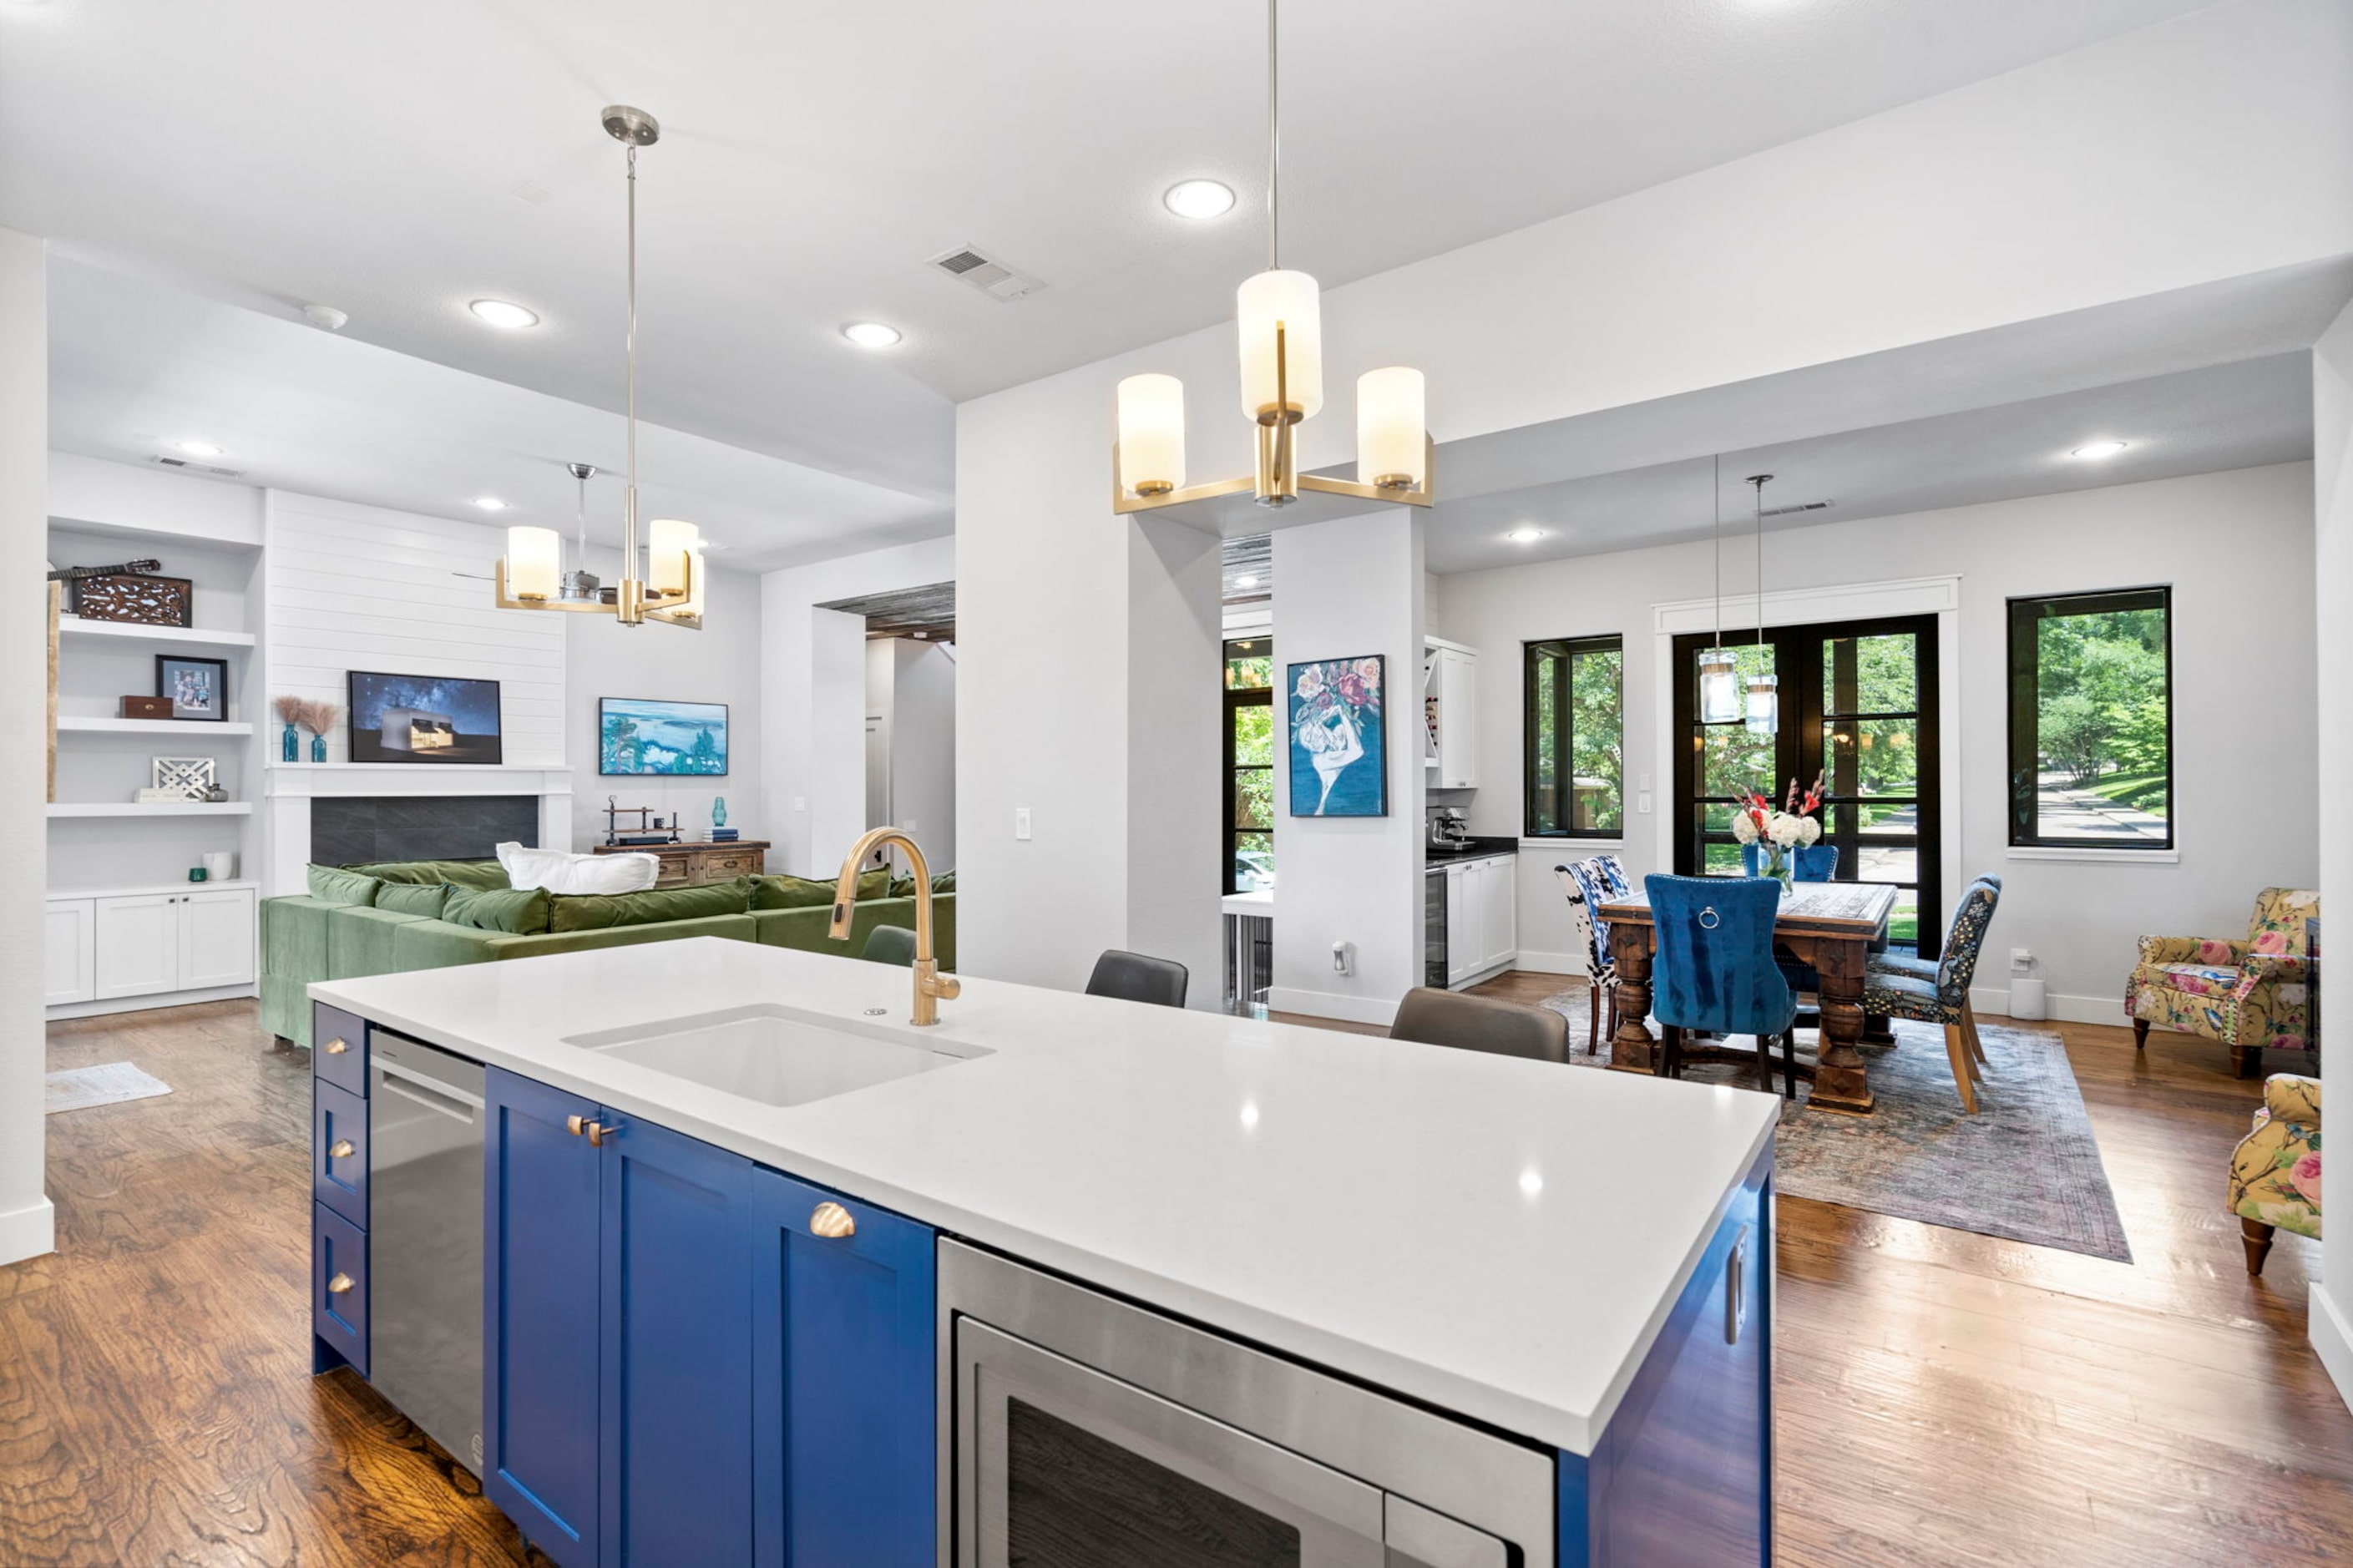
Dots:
pixel 1475 849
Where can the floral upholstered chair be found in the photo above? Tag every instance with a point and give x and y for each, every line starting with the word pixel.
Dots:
pixel 2249 993
pixel 1589 885
pixel 2276 1169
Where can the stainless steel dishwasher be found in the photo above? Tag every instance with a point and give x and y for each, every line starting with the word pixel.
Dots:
pixel 426 1119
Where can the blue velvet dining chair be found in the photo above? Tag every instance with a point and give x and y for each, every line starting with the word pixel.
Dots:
pixel 1807 862
pixel 1713 971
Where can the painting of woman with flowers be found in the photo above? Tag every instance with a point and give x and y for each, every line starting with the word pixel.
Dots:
pixel 1339 764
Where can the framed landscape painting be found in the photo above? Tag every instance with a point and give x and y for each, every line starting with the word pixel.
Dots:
pixel 642 735
pixel 1339 761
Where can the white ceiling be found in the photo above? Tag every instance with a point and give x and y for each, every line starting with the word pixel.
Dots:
pixel 2198 421
pixel 369 157
pixel 136 365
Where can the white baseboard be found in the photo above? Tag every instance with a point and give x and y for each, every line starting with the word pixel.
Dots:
pixel 150 1002
pixel 1994 1001
pixel 28 1232
pixel 2332 1336
pixel 1329 1005
pixel 1551 962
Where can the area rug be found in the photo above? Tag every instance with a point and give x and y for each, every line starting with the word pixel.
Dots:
pixel 110 1083
pixel 2025 1168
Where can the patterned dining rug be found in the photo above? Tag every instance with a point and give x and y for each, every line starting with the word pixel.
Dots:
pixel 2026 1167
pixel 110 1083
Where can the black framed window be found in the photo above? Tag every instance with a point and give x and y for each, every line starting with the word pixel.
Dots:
pixel 1250 765
pixel 2091 720
pixel 1574 689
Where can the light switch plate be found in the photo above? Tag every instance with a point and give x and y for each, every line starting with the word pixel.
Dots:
pixel 1022 821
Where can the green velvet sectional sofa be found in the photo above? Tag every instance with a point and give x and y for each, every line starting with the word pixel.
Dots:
pixel 426 914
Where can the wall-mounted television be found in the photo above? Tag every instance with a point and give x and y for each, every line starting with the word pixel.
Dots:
pixel 424 719
pixel 638 736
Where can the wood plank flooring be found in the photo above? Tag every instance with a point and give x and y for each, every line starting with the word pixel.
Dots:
pixel 1942 1398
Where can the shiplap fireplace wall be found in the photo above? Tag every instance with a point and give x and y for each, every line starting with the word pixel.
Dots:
pixel 361 587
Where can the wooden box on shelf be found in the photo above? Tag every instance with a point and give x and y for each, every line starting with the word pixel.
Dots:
pixel 150 601
pixel 146 708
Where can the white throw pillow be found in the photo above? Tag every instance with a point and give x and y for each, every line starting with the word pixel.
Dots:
pixel 560 871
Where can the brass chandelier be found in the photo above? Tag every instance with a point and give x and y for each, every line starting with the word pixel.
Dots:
pixel 1279 317
pixel 531 574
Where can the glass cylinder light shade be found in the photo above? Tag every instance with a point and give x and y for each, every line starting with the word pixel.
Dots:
pixel 1291 301
pixel 1151 435
pixel 534 559
pixel 668 545
pixel 1719 687
pixel 1391 429
pixel 1763 704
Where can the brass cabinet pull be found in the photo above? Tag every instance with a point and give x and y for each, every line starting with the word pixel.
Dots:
pixel 341 1148
pixel 575 1125
pixel 339 1284
pixel 338 1046
pixel 831 1221
pixel 600 1133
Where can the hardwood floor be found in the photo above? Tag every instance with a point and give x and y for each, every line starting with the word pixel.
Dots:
pixel 1942 1398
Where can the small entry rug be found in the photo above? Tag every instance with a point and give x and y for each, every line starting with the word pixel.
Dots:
pixel 2025 1168
pixel 110 1083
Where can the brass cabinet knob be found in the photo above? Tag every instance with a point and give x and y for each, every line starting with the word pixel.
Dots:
pixel 601 1133
pixel 575 1125
pixel 832 1222
pixel 341 1148
pixel 339 1284
pixel 338 1046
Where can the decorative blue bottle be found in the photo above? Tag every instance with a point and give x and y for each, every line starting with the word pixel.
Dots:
pixel 719 811
pixel 290 744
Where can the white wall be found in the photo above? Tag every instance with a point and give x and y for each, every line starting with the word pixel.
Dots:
pixel 129 495
pixel 721 663
pixel 813 701
pixel 2245 807
pixel 2332 410
pixel 27 1224
pixel 361 587
pixel 922 745
pixel 1348 589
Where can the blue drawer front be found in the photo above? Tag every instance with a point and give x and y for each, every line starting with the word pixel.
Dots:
pixel 339 1150
pixel 339 1285
pixel 339 1048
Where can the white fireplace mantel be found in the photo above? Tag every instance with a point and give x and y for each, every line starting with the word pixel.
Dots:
pixel 289 788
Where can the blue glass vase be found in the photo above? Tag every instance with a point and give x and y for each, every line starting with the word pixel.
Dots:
pixel 290 744
pixel 719 811
pixel 318 748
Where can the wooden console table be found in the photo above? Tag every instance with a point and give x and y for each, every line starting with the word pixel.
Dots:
pixel 693 863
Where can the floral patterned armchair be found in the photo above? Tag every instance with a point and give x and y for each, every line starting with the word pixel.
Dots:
pixel 2248 995
pixel 2276 1169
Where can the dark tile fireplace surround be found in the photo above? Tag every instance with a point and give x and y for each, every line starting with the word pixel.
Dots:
pixel 356 830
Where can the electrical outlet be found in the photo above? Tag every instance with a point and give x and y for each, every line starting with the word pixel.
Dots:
pixel 1642 803
pixel 1022 821
pixel 2021 961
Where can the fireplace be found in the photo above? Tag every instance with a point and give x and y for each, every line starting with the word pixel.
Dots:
pixel 360 830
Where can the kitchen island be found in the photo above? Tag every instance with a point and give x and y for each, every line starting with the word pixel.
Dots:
pixel 712 1320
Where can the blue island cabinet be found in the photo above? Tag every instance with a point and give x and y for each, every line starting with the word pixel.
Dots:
pixel 693 1359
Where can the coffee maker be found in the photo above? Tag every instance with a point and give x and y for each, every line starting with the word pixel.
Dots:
pixel 1450 827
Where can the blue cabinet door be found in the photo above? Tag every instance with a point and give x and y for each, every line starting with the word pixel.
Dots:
pixel 539 1386
pixel 843 1382
pixel 675 1299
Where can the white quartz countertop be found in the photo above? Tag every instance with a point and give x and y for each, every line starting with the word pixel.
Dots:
pixel 1495 1236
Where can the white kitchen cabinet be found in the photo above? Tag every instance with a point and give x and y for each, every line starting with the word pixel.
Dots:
pixel 143 944
pixel 1482 917
pixel 1450 682
pixel 1464 941
pixel 69 969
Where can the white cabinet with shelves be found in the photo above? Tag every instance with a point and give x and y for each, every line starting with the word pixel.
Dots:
pixel 68 971
pixel 1481 918
pixel 114 946
pixel 1449 690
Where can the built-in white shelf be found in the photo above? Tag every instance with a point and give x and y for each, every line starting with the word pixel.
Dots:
pixel 182 886
pixel 160 808
pixel 135 631
pixel 70 724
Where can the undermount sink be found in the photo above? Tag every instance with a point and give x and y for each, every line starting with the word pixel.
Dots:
pixel 777 1056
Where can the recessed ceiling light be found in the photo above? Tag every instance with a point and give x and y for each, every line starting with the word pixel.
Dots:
pixel 870 334
pixel 1198 198
pixel 198 448
pixel 1246 583
pixel 2093 450
pixel 489 504
pixel 501 314
pixel 1525 535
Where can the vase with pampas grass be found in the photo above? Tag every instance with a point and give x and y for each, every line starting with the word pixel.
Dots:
pixel 289 711
pixel 319 718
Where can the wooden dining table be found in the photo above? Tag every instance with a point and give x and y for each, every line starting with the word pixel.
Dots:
pixel 1832 926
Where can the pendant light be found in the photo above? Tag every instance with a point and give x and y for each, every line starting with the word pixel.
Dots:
pixel 1719 682
pixel 1278 320
pixel 666 585
pixel 1764 690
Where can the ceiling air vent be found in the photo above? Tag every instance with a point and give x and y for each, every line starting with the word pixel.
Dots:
pixel 992 278
pixel 187 467
pixel 1801 506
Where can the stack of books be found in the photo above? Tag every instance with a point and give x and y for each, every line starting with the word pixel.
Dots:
pixel 725 834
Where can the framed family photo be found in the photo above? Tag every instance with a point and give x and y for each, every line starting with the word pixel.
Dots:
pixel 197 687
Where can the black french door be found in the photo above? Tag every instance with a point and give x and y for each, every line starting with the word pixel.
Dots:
pixel 1858 706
